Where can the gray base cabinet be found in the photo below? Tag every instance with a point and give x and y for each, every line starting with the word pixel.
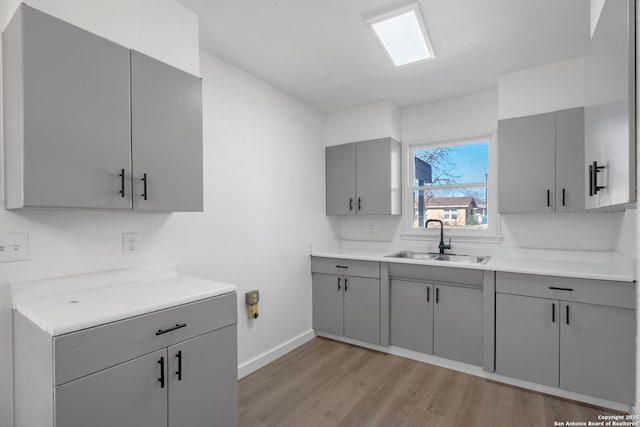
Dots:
pixel 128 394
pixel 412 315
pixel 364 178
pixel 527 338
pixel 457 324
pixel 575 334
pixel 125 374
pixel 593 337
pixel 346 305
pixel 438 310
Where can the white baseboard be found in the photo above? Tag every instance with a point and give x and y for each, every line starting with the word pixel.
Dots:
pixel 275 353
pixel 478 371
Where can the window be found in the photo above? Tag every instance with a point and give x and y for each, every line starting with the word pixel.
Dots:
pixel 451 182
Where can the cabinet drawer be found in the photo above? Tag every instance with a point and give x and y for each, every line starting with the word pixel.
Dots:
pixel 80 353
pixel 347 267
pixel 603 292
pixel 434 274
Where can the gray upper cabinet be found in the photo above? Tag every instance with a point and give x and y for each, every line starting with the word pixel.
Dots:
pixel 341 179
pixel 593 337
pixel 364 178
pixel 67 127
pixel 166 136
pixel 540 163
pixel 132 387
pixel 89 124
pixel 526 169
pixel 457 324
pixel 570 182
pixel 610 98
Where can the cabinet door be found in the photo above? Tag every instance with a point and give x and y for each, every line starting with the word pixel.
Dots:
pixel 527 164
pixel 570 189
pixel 610 104
pixel 597 350
pixel 527 338
pixel 203 380
pixel 126 395
pixel 412 315
pixel 327 300
pixel 378 177
pixel 362 309
pixel 166 136
pixel 76 115
pixel 341 179
pixel 457 324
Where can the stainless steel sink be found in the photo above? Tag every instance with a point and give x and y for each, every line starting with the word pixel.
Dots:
pixel 428 256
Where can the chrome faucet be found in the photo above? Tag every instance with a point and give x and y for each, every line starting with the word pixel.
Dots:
pixel 441 246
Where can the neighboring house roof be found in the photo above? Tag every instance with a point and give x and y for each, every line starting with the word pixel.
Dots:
pixel 451 202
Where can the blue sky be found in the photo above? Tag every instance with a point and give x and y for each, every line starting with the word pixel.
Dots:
pixel 470 161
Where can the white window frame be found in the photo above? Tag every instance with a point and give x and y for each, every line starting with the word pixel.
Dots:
pixel 450 212
pixel 489 235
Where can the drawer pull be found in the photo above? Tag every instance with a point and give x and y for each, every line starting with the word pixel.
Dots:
pixel 341 266
pixel 179 371
pixel 164 331
pixel 560 289
pixel 161 379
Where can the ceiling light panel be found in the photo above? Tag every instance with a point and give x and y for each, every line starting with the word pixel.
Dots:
pixel 403 35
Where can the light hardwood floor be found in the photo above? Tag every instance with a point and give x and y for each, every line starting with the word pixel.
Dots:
pixel 329 383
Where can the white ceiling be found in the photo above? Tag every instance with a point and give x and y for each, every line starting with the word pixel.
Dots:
pixel 321 52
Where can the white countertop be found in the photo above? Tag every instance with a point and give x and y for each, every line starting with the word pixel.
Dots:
pixel 67 311
pixel 613 268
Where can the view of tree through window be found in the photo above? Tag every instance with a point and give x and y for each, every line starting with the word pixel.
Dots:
pixel 451 184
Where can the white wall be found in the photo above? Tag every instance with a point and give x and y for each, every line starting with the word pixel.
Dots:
pixel 550 87
pixel 263 189
pixel 596 10
pixel 369 122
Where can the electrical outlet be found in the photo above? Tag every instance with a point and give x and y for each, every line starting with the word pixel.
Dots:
pixel 372 229
pixel 130 244
pixel 14 247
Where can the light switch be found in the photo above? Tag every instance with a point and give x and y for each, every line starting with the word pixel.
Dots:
pixel 14 247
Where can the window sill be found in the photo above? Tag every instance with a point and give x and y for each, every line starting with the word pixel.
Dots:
pixel 462 238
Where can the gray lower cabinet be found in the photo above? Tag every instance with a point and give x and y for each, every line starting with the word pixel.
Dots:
pixel 457 324
pixel 575 334
pixel 527 338
pixel 597 350
pixel 347 306
pixel 166 136
pixel 174 367
pixel 128 394
pixel 362 309
pixel 364 178
pixel 412 315
pixel 442 317
pixel 328 303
